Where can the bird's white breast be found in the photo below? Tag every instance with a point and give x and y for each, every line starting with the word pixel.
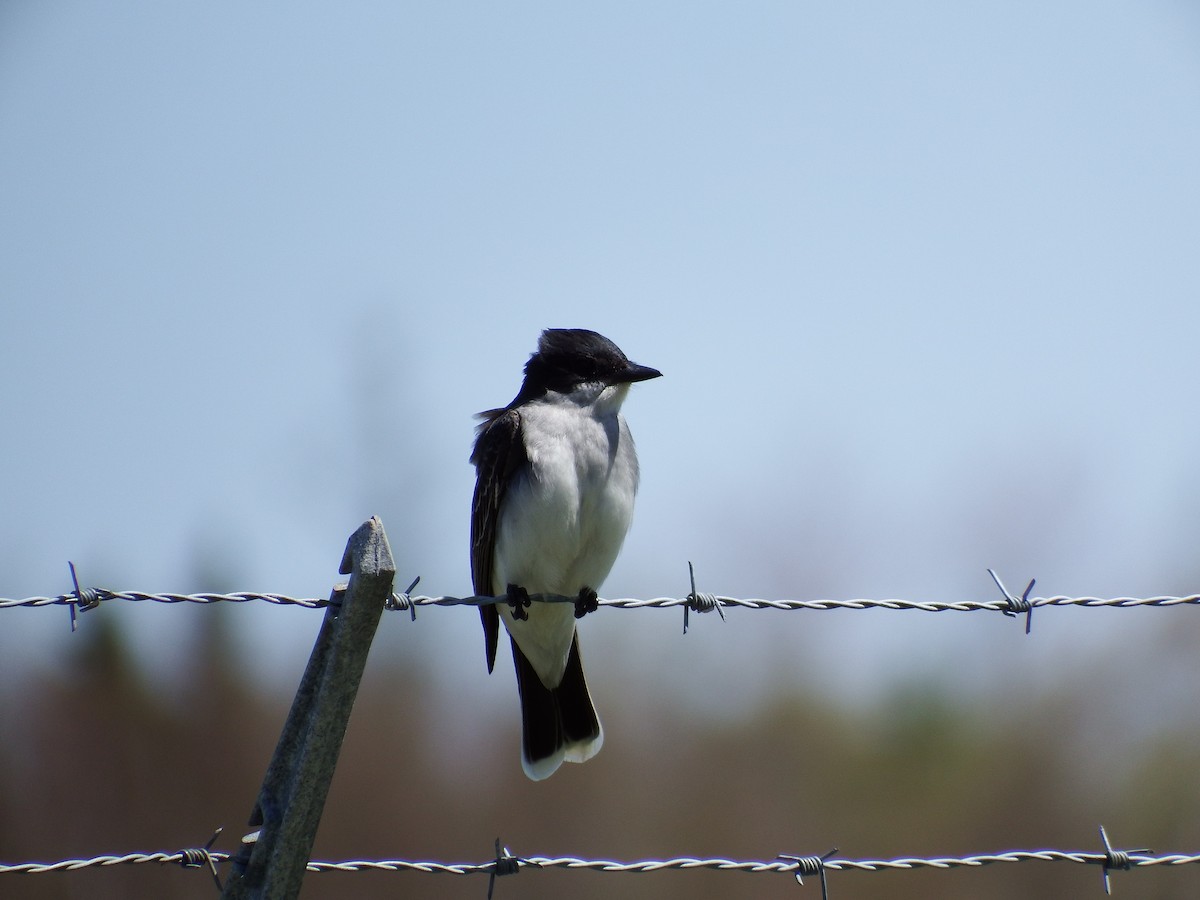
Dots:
pixel 564 517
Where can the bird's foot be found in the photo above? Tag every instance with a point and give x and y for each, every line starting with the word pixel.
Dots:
pixel 518 602
pixel 586 602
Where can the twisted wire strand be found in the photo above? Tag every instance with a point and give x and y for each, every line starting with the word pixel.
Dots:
pixel 102 595
pixel 70 865
pixel 894 604
pixel 184 857
pixel 704 602
pixel 730 865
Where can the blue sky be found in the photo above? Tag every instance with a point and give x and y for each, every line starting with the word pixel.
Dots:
pixel 923 280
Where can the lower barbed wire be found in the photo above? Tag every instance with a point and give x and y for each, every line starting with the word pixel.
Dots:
pixel 190 857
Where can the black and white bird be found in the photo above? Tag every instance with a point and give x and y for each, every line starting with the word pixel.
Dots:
pixel 556 475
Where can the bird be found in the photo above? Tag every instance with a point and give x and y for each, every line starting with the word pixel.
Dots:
pixel 556 476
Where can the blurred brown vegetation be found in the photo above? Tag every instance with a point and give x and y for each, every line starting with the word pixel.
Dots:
pixel 94 760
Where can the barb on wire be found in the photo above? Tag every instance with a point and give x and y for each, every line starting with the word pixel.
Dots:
pixel 1116 859
pixel 811 865
pixel 701 603
pixel 403 600
pixel 198 857
pixel 84 599
pixel 1017 605
pixel 505 864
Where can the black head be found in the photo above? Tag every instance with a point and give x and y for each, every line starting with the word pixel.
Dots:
pixel 569 357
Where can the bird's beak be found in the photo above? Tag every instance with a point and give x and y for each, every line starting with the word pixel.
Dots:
pixel 637 373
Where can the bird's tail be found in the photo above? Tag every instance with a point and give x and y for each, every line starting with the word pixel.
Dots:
pixel 559 723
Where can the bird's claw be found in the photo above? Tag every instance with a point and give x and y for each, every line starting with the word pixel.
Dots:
pixel 518 602
pixel 586 602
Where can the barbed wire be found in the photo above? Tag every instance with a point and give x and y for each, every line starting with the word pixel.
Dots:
pixel 405 602
pixel 505 863
pixel 83 599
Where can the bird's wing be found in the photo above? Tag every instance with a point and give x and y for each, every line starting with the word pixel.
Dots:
pixel 499 452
